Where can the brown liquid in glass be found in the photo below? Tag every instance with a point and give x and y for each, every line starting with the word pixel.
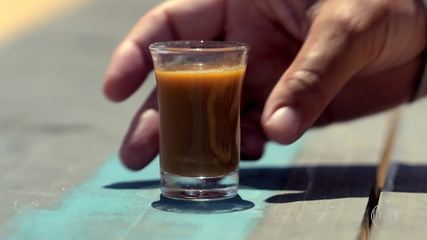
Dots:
pixel 199 121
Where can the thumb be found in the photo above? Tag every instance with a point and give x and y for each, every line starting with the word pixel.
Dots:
pixel 327 60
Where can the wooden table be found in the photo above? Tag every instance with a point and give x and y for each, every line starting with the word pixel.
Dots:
pixel 60 177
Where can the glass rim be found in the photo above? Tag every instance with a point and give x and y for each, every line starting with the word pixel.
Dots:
pixel 197 46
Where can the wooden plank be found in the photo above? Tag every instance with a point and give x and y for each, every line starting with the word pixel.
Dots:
pixel 401 210
pixel 336 171
pixel 116 202
pixel 287 195
pixel 56 128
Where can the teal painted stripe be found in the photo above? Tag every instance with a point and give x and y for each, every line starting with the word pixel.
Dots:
pixel 91 211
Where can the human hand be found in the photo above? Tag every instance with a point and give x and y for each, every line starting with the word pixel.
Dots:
pixel 310 63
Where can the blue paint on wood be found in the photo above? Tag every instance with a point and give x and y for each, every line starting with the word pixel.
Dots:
pixel 116 204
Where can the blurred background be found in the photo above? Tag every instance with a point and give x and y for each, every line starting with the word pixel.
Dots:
pixel 56 127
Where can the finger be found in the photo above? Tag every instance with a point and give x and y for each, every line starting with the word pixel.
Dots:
pixel 324 64
pixel 141 143
pixel 368 94
pixel 253 139
pixel 172 20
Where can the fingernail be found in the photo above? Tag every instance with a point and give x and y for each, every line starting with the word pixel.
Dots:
pixel 284 125
pixel 147 113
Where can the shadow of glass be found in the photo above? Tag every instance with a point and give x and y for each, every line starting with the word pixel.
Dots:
pixel 409 178
pixel 286 198
pixel 202 207
pixel 315 182
pixel 147 184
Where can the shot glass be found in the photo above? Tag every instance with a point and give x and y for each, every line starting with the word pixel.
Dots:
pixel 198 88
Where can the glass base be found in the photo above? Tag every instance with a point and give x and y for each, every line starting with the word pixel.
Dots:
pixel 199 188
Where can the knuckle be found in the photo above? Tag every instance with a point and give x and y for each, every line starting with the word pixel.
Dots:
pixel 354 18
pixel 308 91
pixel 346 24
pixel 306 82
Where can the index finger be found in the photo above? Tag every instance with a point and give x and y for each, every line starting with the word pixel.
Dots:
pixel 172 20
